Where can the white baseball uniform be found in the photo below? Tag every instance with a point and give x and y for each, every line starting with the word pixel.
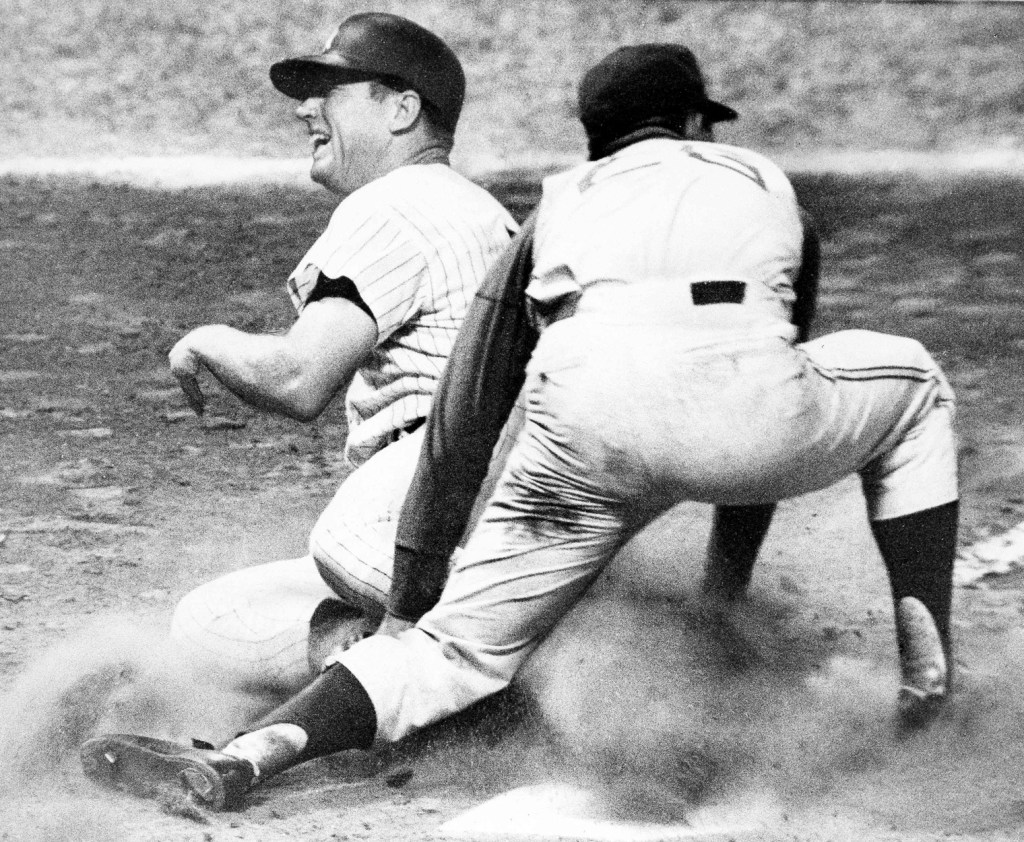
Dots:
pixel 416 244
pixel 666 370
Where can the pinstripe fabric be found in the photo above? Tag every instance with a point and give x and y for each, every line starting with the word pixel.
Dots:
pixel 248 630
pixel 353 542
pixel 354 538
pixel 416 243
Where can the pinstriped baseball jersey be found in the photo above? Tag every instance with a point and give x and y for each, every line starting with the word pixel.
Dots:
pixel 416 243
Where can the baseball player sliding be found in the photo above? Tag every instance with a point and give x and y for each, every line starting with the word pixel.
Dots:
pixel 647 310
pixel 380 297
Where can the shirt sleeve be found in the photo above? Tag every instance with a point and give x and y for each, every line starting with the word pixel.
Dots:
pixel 478 389
pixel 337 288
pixel 379 254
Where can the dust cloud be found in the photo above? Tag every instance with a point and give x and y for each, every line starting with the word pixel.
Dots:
pixel 114 675
pixel 662 706
pixel 670 705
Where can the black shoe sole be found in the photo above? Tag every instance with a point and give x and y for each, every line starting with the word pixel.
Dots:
pixel 152 769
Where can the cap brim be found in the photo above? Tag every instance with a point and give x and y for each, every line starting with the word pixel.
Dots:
pixel 314 76
pixel 716 112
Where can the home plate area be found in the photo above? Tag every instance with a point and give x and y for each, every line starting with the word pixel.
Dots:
pixel 557 811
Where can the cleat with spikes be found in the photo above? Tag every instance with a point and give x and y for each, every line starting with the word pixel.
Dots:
pixel 152 768
pixel 924 672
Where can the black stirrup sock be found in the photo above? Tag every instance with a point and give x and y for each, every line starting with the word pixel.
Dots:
pixel 737 533
pixel 919 550
pixel 335 712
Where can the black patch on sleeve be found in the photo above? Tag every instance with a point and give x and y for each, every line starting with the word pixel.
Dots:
pixel 338 288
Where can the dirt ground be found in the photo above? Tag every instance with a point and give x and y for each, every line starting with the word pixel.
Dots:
pixel 115 500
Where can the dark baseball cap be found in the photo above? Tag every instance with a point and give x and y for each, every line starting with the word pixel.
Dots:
pixel 375 45
pixel 641 82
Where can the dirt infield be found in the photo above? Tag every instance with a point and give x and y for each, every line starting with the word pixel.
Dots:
pixel 115 501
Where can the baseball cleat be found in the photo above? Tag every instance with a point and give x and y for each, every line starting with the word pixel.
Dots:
pixel 922 664
pixel 152 768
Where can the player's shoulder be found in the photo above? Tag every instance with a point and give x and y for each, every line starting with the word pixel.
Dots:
pixel 687 155
pixel 377 203
pixel 771 173
pixel 439 187
pixel 362 204
pixel 416 198
pixel 712 159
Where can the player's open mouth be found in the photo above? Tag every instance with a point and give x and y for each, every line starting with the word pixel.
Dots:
pixel 317 140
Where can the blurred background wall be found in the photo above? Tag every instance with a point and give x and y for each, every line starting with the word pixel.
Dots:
pixel 101 77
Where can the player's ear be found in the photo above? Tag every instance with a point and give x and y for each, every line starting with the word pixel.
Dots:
pixel 407 107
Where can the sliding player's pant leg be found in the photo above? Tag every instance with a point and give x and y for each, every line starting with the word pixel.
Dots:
pixel 354 539
pixel 248 630
pixel 353 542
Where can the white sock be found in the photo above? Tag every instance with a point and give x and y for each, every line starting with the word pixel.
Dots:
pixel 271 749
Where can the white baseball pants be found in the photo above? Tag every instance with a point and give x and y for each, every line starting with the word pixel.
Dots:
pixel 250 628
pixel 623 421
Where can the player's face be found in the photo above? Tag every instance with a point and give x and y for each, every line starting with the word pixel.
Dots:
pixel 349 135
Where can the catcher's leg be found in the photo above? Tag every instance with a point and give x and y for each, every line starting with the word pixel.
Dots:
pixel 331 714
pixel 888 391
pixel 913 507
pixel 919 550
pixel 517 582
pixel 737 533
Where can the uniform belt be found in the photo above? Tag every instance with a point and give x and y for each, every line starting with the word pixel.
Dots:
pixel 717 292
pixel 701 292
pixel 407 430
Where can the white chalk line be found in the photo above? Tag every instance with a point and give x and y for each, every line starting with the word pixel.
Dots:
pixel 178 172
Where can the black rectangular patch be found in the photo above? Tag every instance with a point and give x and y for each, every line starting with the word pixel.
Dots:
pixel 718 292
pixel 338 288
